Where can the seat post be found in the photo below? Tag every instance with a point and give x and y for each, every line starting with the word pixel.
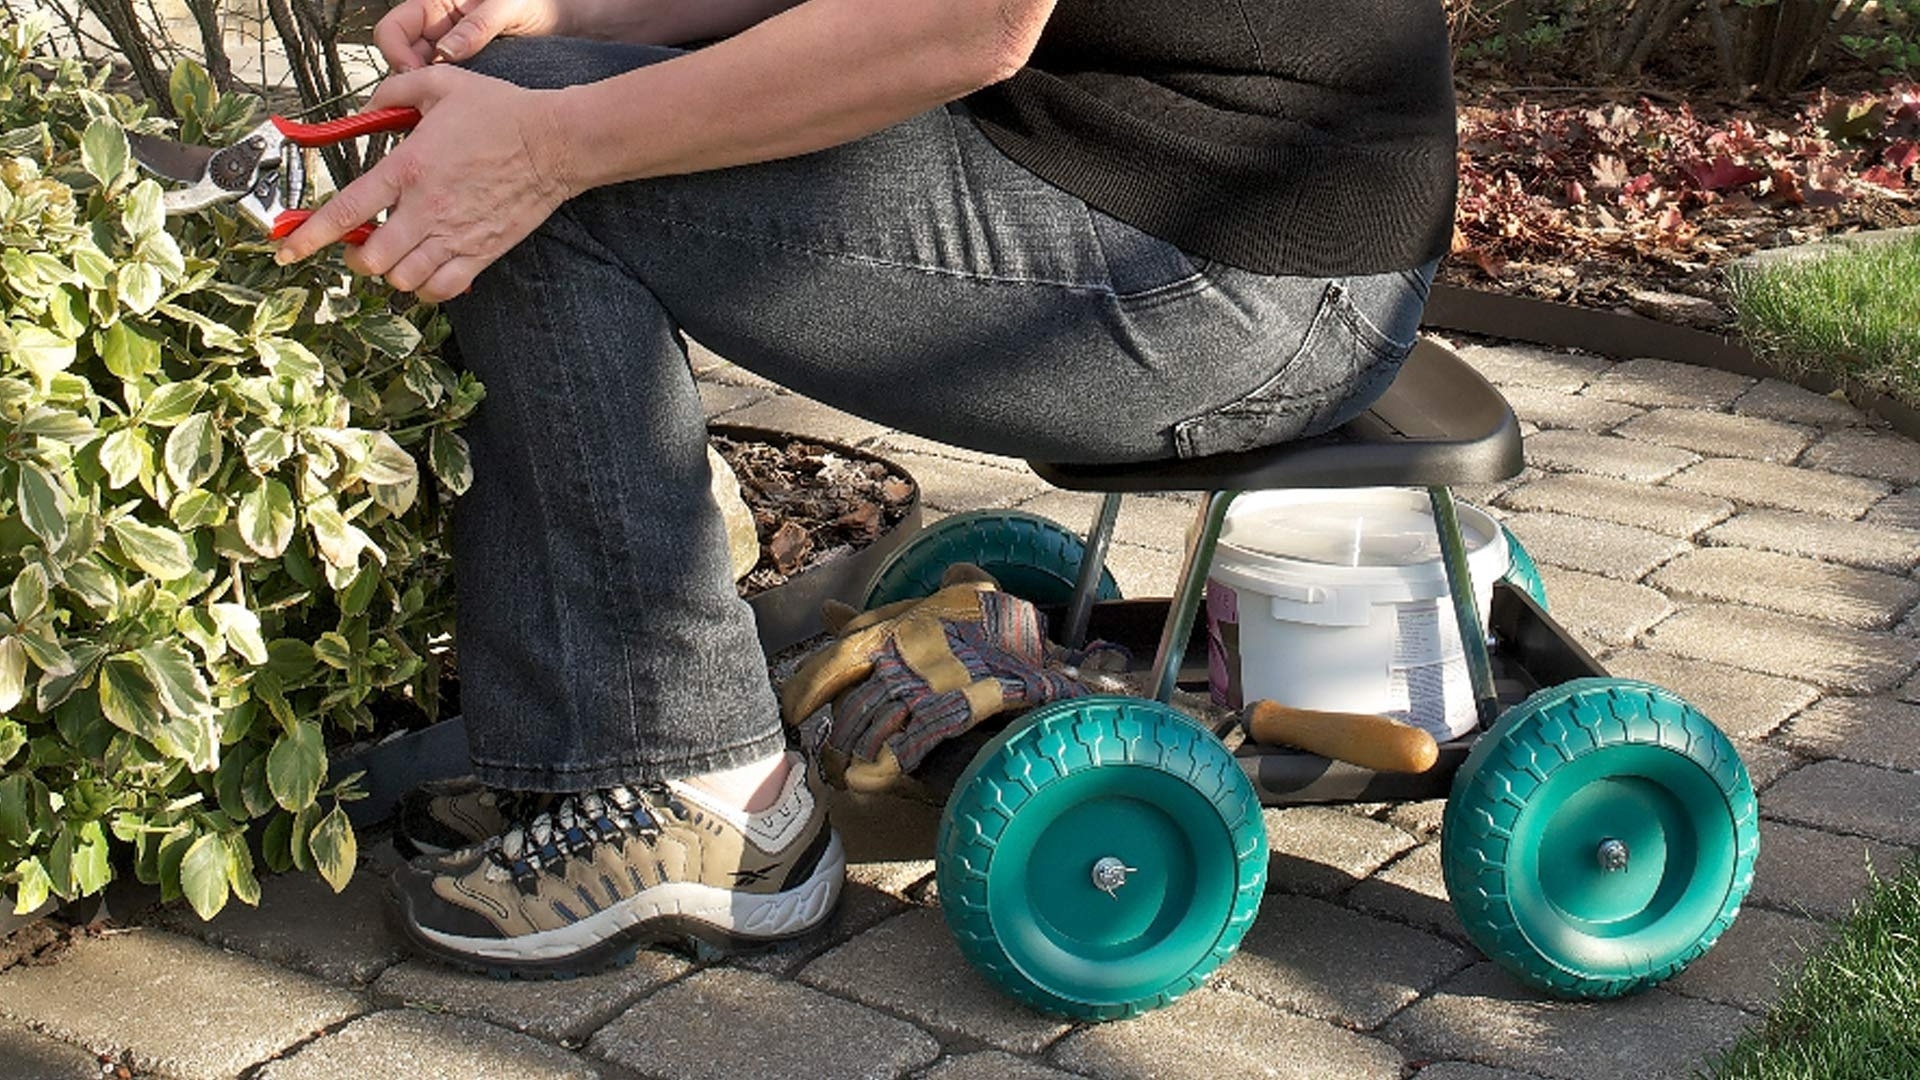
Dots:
pixel 1466 610
pixel 1186 602
pixel 1093 563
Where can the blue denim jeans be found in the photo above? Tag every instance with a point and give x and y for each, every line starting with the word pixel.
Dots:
pixel 917 278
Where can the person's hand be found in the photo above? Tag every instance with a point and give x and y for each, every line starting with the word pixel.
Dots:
pixel 419 32
pixel 483 168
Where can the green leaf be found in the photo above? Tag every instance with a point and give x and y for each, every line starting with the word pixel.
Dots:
pixel 39 349
pixel 60 425
pixel 130 703
pixel 173 402
pixel 241 626
pixel 299 834
pixel 93 584
pixel 451 461
pixel 103 152
pixel 340 543
pixel 18 817
pixel 230 777
pixel 289 358
pixel 44 649
pixel 190 89
pixel 91 871
pixel 333 650
pixel 162 553
pixel 213 333
pixel 277 312
pixel 355 598
pixel 56 688
pixel 125 454
pixel 266 518
pixel 12 735
pixel 127 352
pixel 387 463
pixel 141 213
pixel 193 451
pixel 138 285
pixel 42 500
pixel 334 849
pixel 28 597
pixel 240 870
pixel 30 887
pixel 267 448
pixel 297 765
pixel 203 875
pixel 196 507
pixel 274 846
pixel 389 333
pixel 182 688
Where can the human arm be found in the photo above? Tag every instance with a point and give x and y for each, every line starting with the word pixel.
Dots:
pixel 489 161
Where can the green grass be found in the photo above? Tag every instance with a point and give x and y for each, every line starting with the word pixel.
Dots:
pixel 1854 1014
pixel 1853 314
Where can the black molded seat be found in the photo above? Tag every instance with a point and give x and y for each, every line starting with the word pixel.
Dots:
pixel 1440 423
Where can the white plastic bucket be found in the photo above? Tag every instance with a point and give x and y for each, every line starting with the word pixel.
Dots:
pixel 1338 600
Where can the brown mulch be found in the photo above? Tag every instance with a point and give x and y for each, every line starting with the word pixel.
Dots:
pixel 812 503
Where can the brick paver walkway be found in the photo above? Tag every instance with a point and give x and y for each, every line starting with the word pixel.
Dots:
pixel 1749 544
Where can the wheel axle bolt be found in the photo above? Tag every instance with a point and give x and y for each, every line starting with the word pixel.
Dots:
pixel 1110 873
pixel 1613 855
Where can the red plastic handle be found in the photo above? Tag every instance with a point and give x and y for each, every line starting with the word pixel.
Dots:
pixel 290 220
pixel 328 132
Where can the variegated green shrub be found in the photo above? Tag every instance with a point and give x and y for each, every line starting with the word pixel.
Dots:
pixel 221 551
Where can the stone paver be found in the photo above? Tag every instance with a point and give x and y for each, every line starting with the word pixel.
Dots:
pixel 1764 763
pixel 1816 590
pixel 1559 409
pixel 406 1042
pixel 953 485
pixel 704 361
pixel 1747 966
pixel 899 442
pixel 1841 796
pixel 563 1011
pixel 27 1056
pixel 1783 487
pixel 1657 383
pixel 1776 399
pixel 1487 1017
pixel 1825 654
pixel 1659 509
pixel 1815 873
pixel 1147 520
pixel 1594 547
pixel 1857 543
pixel 862 906
pixel 719 399
pixel 1319 851
pixel 1534 366
pixel 694 1030
pixel 801 415
pixel 1310 957
pixel 1870 730
pixel 182 1008
pixel 1602 610
pixel 1461 1070
pixel 302 924
pixel 1606 455
pixel 1715 434
pixel 1411 890
pixel 1143 571
pixel 1215 1033
pixel 1882 455
pixel 910 965
pixel 991 1065
pixel 1741 703
pixel 1421 819
pixel 1900 511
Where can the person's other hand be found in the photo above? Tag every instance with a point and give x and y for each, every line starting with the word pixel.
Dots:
pixel 417 32
pixel 483 168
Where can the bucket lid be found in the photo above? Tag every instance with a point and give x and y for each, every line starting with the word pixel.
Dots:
pixel 1352 527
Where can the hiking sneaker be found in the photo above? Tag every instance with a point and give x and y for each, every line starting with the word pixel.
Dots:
pixel 440 817
pixel 580 885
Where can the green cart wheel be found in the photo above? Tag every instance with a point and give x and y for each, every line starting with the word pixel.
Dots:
pixel 1100 858
pixel 1031 557
pixel 1522 571
pixel 1599 838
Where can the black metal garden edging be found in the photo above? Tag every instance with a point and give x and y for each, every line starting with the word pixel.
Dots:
pixel 1619 334
pixel 787 614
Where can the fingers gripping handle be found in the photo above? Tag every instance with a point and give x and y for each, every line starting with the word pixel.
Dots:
pixel 328 132
pixel 290 220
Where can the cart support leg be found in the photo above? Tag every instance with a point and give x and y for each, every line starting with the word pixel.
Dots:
pixel 1466 611
pixel 1093 561
pixel 1186 602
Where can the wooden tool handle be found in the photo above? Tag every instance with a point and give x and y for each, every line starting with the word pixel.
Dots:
pixel 1371 742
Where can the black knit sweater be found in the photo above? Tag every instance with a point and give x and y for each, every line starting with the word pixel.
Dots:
pixel 1282 136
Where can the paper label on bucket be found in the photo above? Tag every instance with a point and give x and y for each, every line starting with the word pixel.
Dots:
pixel 1427 684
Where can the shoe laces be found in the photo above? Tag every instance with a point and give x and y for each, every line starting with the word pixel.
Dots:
pixel 544 832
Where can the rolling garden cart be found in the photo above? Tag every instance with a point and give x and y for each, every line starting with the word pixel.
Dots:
pixel 1101 855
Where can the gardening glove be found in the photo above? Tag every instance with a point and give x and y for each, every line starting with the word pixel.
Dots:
pixel 905 677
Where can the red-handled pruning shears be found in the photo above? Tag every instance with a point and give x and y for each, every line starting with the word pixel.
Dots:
pixel 265 173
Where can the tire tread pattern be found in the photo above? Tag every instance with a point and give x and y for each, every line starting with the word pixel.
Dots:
pixel 986 538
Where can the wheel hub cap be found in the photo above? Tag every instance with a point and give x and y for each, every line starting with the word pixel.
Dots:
pixel 1613 855
pixel 1110 873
